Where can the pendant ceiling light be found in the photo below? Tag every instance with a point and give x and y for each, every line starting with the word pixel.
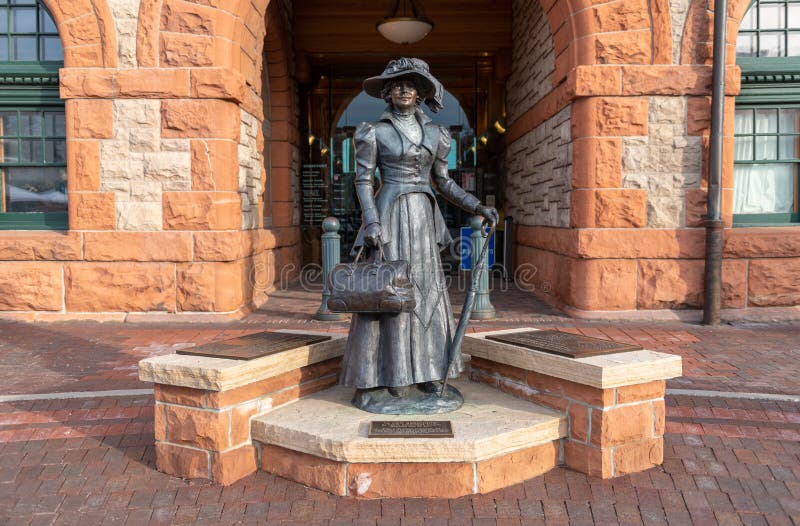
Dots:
pixel 405 23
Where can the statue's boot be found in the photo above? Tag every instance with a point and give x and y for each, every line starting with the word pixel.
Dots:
pixel 398 392
pixel 430 387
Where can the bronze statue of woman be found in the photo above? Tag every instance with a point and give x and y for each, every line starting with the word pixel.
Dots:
pixel 396 362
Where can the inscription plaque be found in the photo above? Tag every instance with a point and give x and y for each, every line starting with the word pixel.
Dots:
pixel 563 343
pixel 255 345
pixel 410 429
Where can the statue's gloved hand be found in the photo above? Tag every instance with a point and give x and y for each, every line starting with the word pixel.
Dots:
pixel 489 213
pixel 372 235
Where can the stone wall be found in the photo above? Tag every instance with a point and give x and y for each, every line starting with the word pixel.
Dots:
pixel 539 174
pixel 533 58
pixel 666 163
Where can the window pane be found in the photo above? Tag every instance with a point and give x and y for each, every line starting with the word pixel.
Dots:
pixel 793 49
pixel 23 48
pixel 766 148
pixel 794 15
pixel 749 20
pixel 10 151
pixel 23 2
pixel 50 49
pixel 743 122
pixel 23 20
pixel 46 23
pixel 55 124
pixel 763 188
pixel 790 120
pixel 788 147
pixel 743 149
pixel 766 121
pixel 9 124
pixel 30 151
pixel 4 20
pixel 770 16
pixel 35 189
pixel 4 48
pixel 771 45
pixel 30 124
pixel 55 151
pixel 746 45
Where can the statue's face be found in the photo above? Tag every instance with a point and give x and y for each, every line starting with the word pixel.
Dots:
pixel 404 95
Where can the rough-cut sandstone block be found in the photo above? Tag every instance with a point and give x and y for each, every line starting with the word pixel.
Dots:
pixel 620 425
pixel 427 480
pixel 152 83
pixel 638 456
pixel 669 284
pixel 215 165
pixel 133 216
pixel 202 211
pixel 607 116
pixel 200 119
pixel 30 286
pixel 181 462
pixel 666 80
pixel 774 282
pixel 137 246
pixel 507 470
pixel 641 392
pixel 199 428
pixel 212 287
pixel 628 47
pixel 31 245
pixel 608 208
pixel 218 83
pixel 596 163
pixel 579 418
pixel 229 466
pixel 317 472
pixel 182 50
pixel 765 242
pixel 603 284
pixel 94 287
pixel 734 283
pixel 89 119
pixel 83 165
pixel 92 211
pixel 588 459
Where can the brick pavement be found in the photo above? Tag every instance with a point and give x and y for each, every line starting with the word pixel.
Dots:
pixel 91 461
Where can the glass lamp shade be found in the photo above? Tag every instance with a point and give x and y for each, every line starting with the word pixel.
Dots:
pixel 404 30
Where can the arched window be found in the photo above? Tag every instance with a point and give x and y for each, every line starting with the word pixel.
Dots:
pixel 767 122
pixel 33 157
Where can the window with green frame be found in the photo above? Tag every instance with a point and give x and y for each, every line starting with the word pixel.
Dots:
pixel 33 154
pixel 766 186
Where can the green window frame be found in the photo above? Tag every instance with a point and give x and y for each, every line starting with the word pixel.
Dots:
pixel 30 58
pixel 768 52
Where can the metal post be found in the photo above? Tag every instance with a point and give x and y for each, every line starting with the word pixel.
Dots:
pixel 330 258
pixel 712 281
pixel 484 310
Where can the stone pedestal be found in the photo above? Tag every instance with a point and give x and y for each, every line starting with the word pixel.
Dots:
pixel 221 419
pixel 614 403
pixel 203 406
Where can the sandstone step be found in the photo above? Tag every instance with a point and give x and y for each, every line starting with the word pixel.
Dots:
pixel 321 441
pixel 490 423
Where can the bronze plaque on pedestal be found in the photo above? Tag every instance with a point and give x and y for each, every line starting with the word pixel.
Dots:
pixel 563 343
pixel 410 429
pixel 255 345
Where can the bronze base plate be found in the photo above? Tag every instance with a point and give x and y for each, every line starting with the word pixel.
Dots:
pixel 410 429
pixel 255 345
pixel 563 343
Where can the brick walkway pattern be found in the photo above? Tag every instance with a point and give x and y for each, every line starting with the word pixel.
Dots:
pixel 91 461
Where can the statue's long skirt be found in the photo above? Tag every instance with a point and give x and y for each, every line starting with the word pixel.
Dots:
pixel 402 349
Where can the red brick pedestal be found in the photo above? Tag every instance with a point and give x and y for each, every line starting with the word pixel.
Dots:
pixel 204 406
pixel 614 403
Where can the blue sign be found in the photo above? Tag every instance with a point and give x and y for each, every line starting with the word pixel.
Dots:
pixel 465 248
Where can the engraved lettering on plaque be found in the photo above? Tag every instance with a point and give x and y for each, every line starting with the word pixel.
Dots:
pixel 563 343
pixel 410 429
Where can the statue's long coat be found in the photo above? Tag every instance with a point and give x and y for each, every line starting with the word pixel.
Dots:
pixel 403 349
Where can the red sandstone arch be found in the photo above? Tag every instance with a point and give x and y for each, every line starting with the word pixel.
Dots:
pixel 87 32
pixel 698 34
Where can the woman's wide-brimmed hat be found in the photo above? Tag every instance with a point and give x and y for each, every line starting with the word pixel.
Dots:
pixel 403 67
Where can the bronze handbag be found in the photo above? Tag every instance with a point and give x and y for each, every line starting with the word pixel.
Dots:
pixel 376 287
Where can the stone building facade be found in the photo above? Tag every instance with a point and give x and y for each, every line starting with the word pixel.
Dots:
pixel 183 155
